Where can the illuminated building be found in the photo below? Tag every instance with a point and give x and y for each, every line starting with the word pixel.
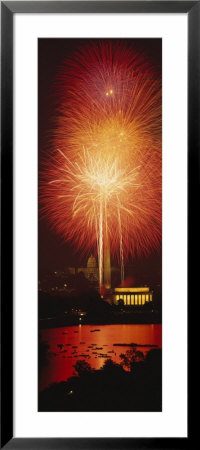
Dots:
pixel 133 296
pixel 91 272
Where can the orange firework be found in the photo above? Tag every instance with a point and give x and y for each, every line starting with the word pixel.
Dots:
pixel 101 187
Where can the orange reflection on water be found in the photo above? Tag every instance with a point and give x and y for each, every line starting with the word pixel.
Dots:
pixel 92 343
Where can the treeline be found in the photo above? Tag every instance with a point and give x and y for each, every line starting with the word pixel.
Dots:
pixel 112 388
pixel 88 300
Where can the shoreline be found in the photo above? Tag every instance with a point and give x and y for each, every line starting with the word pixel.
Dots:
pixel 122 319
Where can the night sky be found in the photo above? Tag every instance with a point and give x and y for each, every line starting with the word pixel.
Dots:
pixel 53 253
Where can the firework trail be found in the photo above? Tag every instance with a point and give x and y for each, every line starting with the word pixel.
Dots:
pixel 101 187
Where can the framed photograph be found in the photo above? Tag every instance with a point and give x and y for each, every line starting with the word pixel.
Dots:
pixel 100 140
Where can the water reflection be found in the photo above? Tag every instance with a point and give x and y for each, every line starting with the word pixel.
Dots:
pixel 93 344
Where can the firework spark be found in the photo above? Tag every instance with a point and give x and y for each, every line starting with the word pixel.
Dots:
pixel 101 188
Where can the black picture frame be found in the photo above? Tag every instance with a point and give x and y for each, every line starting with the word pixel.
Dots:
pixel 8 9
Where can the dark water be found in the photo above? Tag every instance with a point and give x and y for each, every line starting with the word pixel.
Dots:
pixel 92 343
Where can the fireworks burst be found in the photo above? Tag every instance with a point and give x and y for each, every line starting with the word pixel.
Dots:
pixel 101 188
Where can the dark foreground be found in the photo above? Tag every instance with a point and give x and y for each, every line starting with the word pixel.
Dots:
pixel 111 388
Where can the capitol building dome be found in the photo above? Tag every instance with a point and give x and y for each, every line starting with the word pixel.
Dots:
pixel 91 271
pixel 91 262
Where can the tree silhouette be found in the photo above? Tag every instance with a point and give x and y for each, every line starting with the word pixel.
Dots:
pixel 82 367
pixel 130 357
